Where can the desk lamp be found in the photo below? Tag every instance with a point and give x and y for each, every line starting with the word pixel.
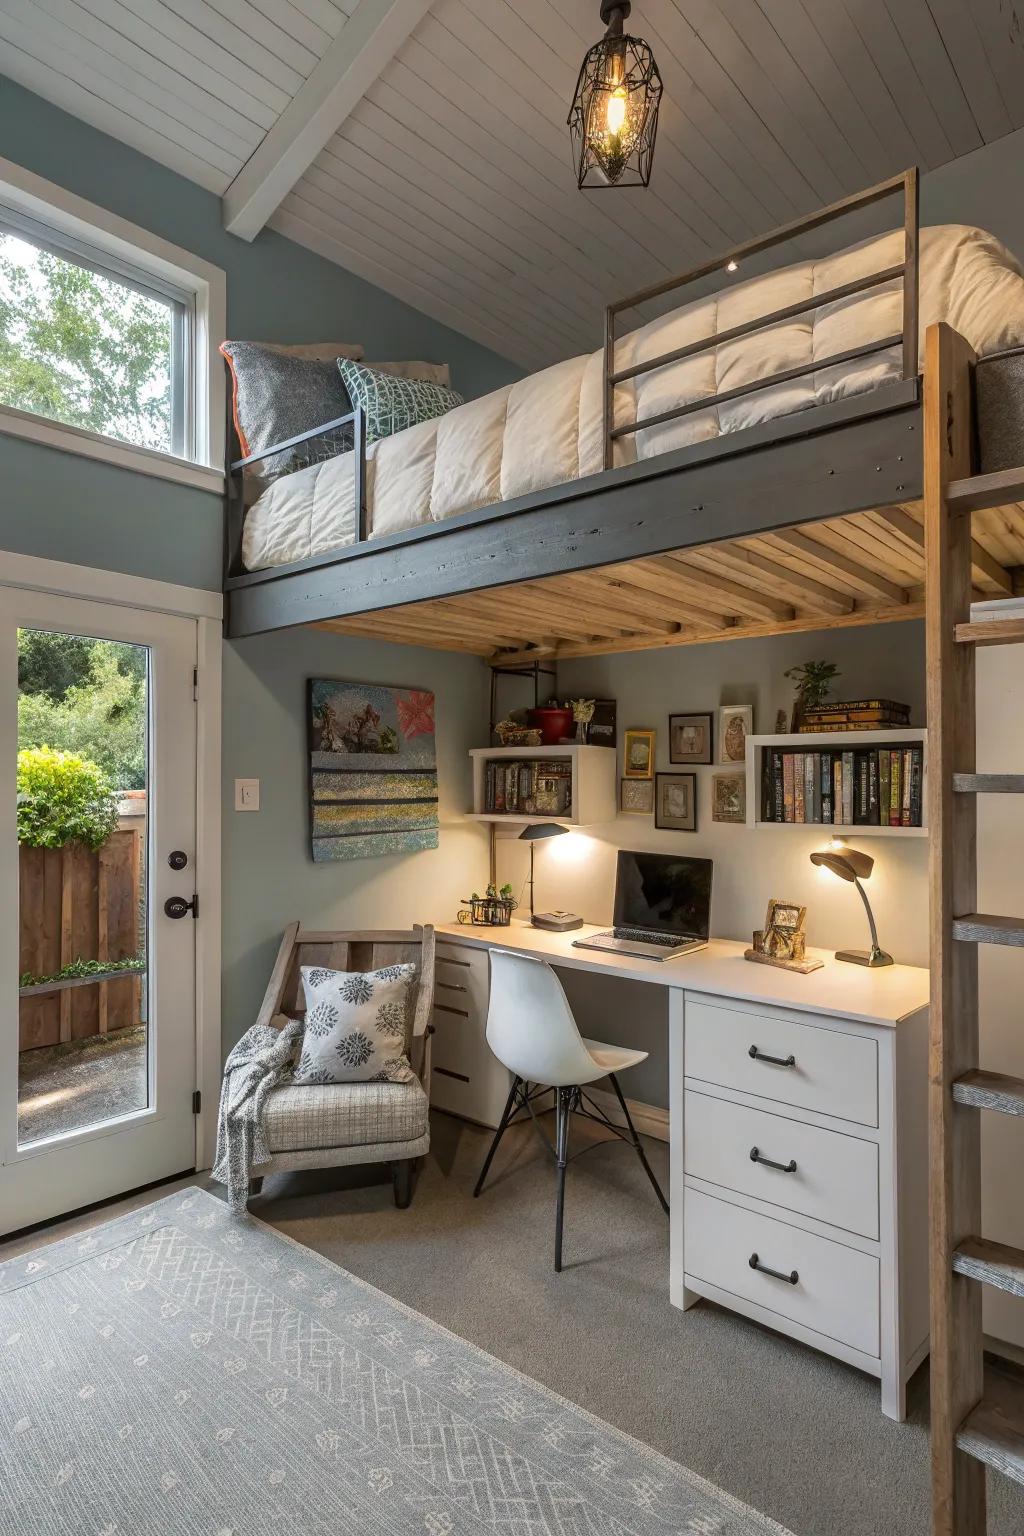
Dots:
pixel 850 865
pixel 559 921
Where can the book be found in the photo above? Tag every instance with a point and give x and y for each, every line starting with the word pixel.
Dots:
pixel 837 788
pixel 916 787
pixel 825 781
pixel 788 761
pixel 872 805
pixel 850 725
pixel 810 782
pixel 847 782
pixel 905 800
pixel 799 789
pixel 839 706
pixel 895 789
pixel 884 772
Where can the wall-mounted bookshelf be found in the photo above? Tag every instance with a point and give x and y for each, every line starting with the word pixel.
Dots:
pixel 864 746
pixel 592 783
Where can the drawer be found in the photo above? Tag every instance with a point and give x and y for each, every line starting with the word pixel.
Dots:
pixel 468 1079
pixel 835 1179
pixel 836 1292
pixel 814 1067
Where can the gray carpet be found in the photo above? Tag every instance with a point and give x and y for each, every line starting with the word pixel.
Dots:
pixel 789 1431
pixel 184 1371
pixel 62 1088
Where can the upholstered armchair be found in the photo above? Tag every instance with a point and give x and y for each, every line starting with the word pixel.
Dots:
pixel 336 1124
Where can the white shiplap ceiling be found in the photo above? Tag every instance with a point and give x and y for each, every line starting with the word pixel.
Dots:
pixel 449 182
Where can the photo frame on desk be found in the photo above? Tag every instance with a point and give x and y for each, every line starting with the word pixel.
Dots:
pixel 675 802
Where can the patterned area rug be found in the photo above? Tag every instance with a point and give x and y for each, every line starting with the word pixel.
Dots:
pixel 186 1372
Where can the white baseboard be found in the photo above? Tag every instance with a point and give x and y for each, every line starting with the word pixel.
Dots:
pixel 649 1119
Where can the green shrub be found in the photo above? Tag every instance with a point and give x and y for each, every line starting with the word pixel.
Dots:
pixel 63 798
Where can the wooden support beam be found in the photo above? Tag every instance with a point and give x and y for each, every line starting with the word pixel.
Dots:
pixel 958 1480
pixel 800 589
pixel 982 562
pixel 732 596
pixel 366 43
pixel 855 574
pixel 634 609
pixel 648 577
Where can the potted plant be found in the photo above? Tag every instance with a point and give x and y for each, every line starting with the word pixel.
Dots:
pixel 813 681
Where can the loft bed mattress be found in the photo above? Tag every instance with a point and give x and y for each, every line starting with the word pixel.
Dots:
pixel 547 429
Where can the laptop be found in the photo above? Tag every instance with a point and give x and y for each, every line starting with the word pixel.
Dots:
pixel 662 907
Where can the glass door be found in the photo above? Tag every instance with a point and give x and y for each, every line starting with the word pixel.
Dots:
pixel 97 931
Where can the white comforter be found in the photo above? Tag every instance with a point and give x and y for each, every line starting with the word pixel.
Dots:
pixel 547 428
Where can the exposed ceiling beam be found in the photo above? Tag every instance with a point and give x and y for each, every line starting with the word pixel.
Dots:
pixel 366 43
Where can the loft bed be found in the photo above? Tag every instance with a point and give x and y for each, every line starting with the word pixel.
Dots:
pixel 809 519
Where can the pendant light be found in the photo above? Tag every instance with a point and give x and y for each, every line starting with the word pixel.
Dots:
pixel 614 115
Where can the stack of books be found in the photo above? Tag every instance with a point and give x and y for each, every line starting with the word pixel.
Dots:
pixel 535 788
pixel 869 786
pixel 857 715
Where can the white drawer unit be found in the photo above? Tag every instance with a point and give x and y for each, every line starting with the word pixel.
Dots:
pixel 467 1079
pixel 800 1141
pixel 809 1063
pixel 783 1162
pixel 821 1285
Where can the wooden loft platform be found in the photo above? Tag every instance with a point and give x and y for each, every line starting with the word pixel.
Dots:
pixel 865 568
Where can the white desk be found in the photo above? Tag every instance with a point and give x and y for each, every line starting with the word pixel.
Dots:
pixel 844 1098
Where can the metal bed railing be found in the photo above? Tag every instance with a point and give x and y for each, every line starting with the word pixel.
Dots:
pixel 906 183
pixel 342 435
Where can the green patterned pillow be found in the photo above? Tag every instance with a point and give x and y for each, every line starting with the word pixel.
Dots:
pixel 390 403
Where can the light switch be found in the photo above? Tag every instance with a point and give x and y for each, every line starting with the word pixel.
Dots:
pixel 247 794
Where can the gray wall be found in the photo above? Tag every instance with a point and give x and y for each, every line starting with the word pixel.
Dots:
pixel 57 505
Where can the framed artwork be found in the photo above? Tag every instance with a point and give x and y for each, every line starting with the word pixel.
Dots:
pixel 372 770
pixel 601 730
pixel 675 802
pixel 637 797
pixel 638 756
pixel 690 738
pixel 735 723
pixel 729 797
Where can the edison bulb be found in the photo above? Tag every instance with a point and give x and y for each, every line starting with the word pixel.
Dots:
pixel 616 110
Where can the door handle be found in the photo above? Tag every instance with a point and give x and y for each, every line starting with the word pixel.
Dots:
pixel 776 1274
pixel 177 906
pixel 766 1162
pixel 774 1061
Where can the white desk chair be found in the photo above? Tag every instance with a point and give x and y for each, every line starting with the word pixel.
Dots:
pixel 532 1031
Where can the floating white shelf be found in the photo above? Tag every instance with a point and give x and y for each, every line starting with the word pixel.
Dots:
pixel 833 741
pixel 593 783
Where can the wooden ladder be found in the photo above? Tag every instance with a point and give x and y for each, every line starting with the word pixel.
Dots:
pixel 977 1411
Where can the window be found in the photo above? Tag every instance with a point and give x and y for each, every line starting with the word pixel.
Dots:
pixel 108 335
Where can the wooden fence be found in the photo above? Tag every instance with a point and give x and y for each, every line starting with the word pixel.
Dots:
pixel 78 905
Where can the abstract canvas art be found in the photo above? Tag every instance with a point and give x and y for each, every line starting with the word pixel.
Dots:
pixel 373 770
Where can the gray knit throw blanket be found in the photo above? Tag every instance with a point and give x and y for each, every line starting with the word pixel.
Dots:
pixel 262 1058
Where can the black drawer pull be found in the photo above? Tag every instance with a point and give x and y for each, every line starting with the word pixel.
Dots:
pixel 775 1061
pixel 776 1274
pixel 766 1162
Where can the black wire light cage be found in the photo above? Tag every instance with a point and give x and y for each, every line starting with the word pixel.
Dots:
pixel 614 116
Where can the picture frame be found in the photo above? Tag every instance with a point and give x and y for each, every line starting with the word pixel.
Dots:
pixel 638 755
pixel 691 738
pixel 786 917
pixel 675 802
pixel 601 731
pixel 729 797
pixel 636 797
pixel 735 724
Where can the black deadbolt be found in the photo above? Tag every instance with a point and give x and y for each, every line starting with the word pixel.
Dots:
pixel 177 906
pixel 178 859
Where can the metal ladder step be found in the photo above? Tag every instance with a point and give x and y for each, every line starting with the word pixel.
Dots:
pixel 995 1264
pixel 993 1432
pixel 990 1090
pixel 986 928
pixel 988 783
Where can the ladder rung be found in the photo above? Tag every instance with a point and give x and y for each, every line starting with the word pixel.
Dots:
pixel 990 1090
pixel 993 1263
pixel 993 1432
pixel 992 490
pixel 985 928
pixel 988 783
pixel 991 632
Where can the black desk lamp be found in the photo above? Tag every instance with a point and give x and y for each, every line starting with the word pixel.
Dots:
pixel 850 865
pixel 532 834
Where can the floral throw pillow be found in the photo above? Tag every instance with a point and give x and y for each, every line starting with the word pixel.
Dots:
pixel 356 1024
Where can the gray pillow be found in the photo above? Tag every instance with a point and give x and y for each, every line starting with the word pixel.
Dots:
pixel 357 1025
pixel 391 402
pixel 277 396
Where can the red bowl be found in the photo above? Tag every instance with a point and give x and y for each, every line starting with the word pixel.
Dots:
pixel 553 722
